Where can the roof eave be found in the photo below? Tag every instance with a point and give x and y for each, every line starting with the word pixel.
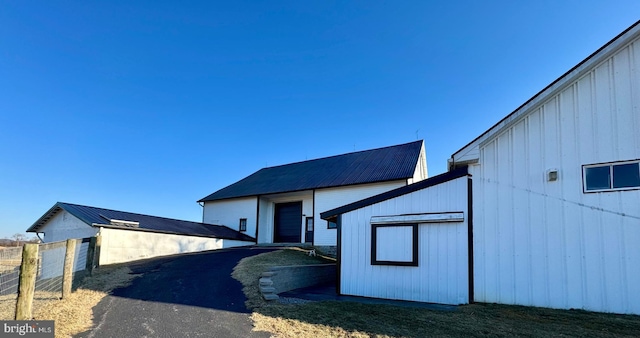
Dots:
pixel 306 189
pixel 50 214
pixel 435 180
pixel 621 39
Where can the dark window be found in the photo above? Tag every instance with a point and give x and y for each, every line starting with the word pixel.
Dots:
pixel 331 224
pixel 626 175
pixel 611 176
pixel 243 224
pixel 598 178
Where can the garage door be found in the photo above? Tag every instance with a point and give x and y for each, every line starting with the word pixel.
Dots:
pixel 288 222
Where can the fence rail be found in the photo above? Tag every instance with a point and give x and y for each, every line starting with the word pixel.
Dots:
pixel 56 265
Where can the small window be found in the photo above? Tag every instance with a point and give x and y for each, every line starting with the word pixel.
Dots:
pixel 331 223
pixel 243 224
pixel 309 223
pixel 612 176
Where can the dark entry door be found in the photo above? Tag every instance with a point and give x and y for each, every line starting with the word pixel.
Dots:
pixel 288 222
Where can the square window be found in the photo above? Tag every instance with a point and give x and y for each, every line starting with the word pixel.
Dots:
pixel 597 178
pixel 243 224
pixel 395 244
pixel 626 175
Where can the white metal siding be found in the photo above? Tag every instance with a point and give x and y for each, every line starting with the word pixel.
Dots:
pixel 265 233
pixel 547 243
pixel 229 213
pixel 327 199
pixel 64 226
pixel 442 273
pixel 421 172
pixel 128 245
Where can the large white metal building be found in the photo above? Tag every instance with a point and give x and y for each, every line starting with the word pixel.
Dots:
pixel 555 203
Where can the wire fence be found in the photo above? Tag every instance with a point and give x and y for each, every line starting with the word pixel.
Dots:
pixel 49 275
pixel 50 268
pixel 10 259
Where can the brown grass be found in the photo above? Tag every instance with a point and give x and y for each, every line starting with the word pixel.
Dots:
pixel 349 319
pixel 73 314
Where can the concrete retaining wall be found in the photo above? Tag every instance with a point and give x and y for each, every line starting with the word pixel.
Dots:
pixel 285 278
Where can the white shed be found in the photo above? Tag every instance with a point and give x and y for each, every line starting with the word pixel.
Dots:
pixel 408 244
pixel 127 236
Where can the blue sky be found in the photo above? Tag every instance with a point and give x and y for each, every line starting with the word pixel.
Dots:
pixel 149 106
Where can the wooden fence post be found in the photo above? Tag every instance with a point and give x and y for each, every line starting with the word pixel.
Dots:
pixel 96 258
pixel 67 273
pixel 93 254
pixel 27 282
pixel 90 254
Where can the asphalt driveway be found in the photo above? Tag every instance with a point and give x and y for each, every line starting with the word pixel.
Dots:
pixel 190 295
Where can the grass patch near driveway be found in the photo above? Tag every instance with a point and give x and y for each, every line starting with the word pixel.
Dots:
pixel 74 314
pixel 350 319
pixel 249 270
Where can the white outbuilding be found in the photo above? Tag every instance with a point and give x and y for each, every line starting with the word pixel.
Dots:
pixel 554 205
pixel 126 236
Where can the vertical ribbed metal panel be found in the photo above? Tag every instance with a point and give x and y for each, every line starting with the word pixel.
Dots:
pixel 547 243
pixel 442 273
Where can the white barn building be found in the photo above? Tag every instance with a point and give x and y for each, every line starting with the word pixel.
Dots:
pixel 282 204
pixel 554 216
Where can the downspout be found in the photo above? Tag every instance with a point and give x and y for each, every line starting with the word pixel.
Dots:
pixel 202 205
pixel 257 216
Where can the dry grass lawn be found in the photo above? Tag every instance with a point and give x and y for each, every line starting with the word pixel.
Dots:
pixel 73 314
pixel 348 319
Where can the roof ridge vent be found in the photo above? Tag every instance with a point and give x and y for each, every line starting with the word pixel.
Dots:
pixel 120 222
pixel 129 224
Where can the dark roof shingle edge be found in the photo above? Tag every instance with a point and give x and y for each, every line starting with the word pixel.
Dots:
pixel 442 178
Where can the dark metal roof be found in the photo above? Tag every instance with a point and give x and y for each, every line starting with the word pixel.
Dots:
pixel 435 180
pixel 108 218
pixel 368 166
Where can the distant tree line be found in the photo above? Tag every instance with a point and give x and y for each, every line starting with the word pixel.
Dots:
pixel 18 240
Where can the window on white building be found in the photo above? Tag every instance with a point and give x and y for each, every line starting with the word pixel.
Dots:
pixel 611 176
pixel 243 224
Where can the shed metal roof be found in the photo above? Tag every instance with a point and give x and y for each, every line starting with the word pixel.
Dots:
pixel 368 166
pixel 100 217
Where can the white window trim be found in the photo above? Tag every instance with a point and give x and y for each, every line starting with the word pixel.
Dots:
pixel 610 165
